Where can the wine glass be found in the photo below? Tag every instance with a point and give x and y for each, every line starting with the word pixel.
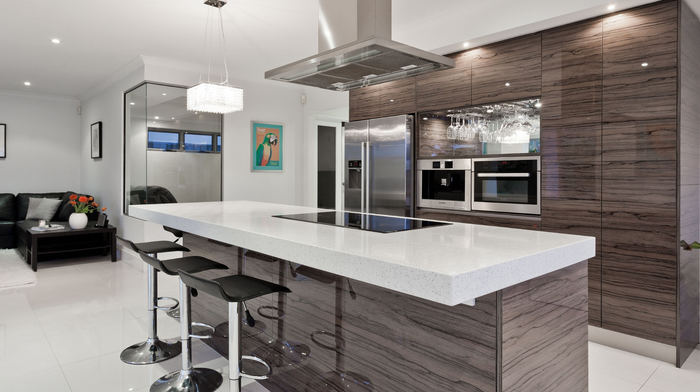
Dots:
pixel 451 128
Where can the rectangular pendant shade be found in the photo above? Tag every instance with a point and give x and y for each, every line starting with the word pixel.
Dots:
pixel 214 98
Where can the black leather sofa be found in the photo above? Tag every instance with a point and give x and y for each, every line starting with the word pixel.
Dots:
pixel 13 211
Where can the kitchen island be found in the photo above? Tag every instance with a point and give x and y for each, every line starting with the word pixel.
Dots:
pixel 387 312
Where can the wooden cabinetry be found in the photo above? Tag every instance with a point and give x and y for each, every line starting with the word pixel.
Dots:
pixel 631 39
pixel 478 218
pixel 507 71
pixel 448 88
pixel 639 176
pixel 365 103
pixel 383 100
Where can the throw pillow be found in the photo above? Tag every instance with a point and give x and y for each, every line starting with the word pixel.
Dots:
pixel 42 208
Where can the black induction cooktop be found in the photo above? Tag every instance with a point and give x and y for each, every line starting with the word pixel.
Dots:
pixel 352 220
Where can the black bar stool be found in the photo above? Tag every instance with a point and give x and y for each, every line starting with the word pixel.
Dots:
pixel 235 289
pixel 188 379
pixel 154 350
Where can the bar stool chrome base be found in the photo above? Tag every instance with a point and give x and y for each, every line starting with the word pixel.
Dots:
pixel 192 380
pixel 151 351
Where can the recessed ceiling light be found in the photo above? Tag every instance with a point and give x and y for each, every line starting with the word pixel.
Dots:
pixel 645 64
pixel 391 100
pixel 154 122
pixel 196 112
pixel 165 94
pixel 173 118
pixel 507 84
pixel 466 44
pixel 132 103
pixel 611 7
pixel 56 41
pixel 27 84
pixel 425 118
pixel 157 118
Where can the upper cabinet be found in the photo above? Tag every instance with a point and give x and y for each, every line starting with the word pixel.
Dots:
pixel 640 63
pixel 448 88
pixel 383 100
pixel 507 71
pixel 398 97
pixel 364 103
pixel 572 80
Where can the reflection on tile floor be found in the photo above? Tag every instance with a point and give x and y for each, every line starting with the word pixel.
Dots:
pixel 65 333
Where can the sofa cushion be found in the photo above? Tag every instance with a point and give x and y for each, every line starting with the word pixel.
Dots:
pixel 7 207
pixel 7 228
pixel 42 208
pixel 22 202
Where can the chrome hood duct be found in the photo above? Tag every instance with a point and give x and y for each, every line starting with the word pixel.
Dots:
pixel 356 50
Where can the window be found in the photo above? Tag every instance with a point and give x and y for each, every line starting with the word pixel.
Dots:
pixel 218 143
pixel 164 140
pixel 198 142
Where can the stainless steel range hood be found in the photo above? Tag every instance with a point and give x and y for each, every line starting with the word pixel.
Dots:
pixel 356 50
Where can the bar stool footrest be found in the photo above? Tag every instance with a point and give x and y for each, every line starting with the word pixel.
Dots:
pixel 200 337
pixel 168 308
pixel 259 360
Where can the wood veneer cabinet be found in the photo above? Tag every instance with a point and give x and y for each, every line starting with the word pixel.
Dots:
pixel 507 71
pixel 383 100
pixel 620 141
pixel 447 88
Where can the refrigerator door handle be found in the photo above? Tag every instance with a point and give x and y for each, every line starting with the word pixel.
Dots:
pixel 367 178
pixel 363 170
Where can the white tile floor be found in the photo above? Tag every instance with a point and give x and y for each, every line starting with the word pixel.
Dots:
pixel 65 334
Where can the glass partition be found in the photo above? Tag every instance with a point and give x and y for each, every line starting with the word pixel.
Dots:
pixel 171 155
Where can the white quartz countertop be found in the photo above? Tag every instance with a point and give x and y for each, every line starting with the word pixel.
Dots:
pixel 446 264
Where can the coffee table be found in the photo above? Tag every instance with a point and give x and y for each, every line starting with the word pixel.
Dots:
pixel 61 242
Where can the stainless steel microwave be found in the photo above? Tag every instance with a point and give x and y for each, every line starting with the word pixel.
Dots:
pixel 444 184
pixel 507 185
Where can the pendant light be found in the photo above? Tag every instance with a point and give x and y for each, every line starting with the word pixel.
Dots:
pixel 209 97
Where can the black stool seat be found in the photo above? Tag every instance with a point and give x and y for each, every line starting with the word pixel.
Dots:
pixel 233 288
pixel 159 247
pixel 191 264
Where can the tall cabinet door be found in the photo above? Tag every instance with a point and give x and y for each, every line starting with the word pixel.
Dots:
pixel 355 137
pixel 389 166
pixel 639 180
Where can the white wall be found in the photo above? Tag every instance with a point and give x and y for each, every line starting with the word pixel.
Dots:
pixel 43 143
pixel 329 108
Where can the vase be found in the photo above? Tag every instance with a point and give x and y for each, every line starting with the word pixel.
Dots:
pixel 77 220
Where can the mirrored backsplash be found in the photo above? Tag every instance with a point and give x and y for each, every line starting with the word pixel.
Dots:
pixel 503 128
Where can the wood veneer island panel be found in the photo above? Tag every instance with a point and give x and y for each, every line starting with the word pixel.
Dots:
pixel 531 336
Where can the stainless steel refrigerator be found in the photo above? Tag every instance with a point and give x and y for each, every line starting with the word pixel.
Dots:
pixel 377 159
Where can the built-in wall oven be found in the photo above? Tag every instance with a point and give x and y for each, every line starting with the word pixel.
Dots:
pixel 507 185
pixel 444 184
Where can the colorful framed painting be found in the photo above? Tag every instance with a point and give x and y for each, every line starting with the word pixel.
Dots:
pixel 268 147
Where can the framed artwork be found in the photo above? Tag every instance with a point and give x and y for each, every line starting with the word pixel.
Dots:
pixel 268 147
pixel 96 140
pixel 3 141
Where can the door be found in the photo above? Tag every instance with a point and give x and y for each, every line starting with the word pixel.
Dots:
pixel 325 180
pixel 389 166
pixel 355 134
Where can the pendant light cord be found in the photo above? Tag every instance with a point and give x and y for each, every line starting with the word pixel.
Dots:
pixel 209 33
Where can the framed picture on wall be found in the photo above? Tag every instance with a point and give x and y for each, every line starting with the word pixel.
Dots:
pixel 3 141
pixel 96 140
pixel 267 147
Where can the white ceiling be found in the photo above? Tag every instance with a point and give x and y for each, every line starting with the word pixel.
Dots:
pixel 100 37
